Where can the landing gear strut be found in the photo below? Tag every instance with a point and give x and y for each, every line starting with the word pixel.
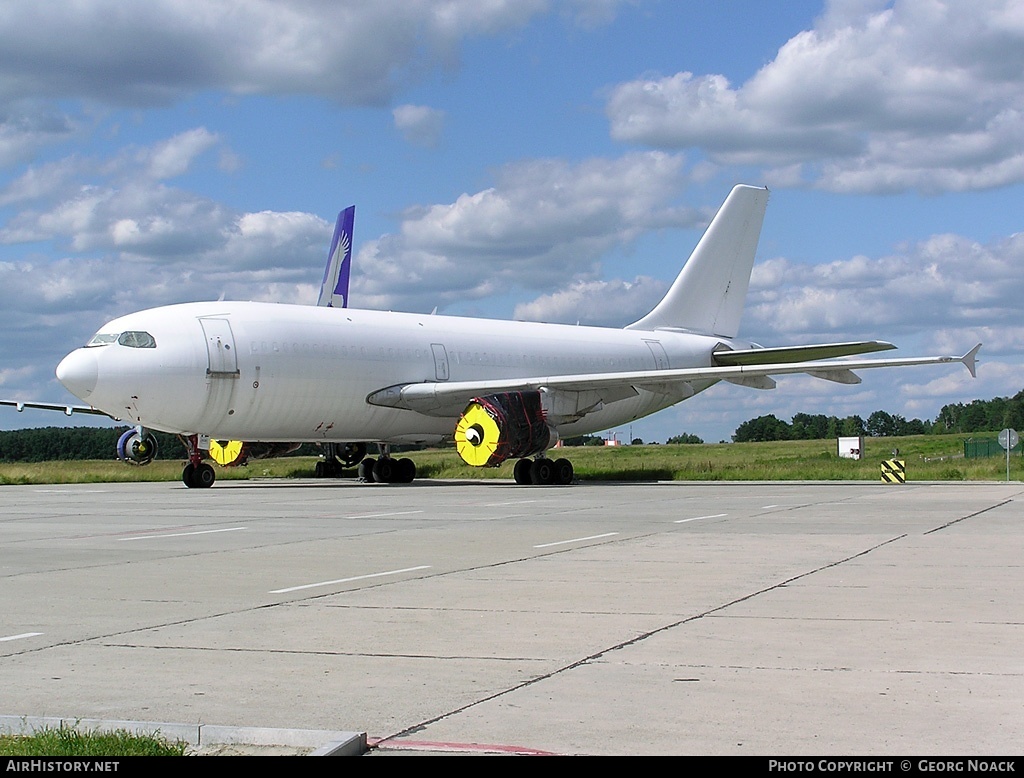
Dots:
pixel 197 473
pixel 544 472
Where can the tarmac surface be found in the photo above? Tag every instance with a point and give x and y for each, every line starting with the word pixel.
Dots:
pixel 484 617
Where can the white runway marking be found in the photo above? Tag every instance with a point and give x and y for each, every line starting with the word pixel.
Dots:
pixel 576 540
pixel 70 491
pixel 382 515
pixel 698 518
pixel 19 637
pixel 347 580
pixel 504 504
pixel 183 534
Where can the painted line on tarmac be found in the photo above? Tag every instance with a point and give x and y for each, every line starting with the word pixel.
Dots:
pixel 22 636
pixel 382 515
pixel 441 746
pixel 348 580
pixel 576 540
pixel 699 518
pixel 184 534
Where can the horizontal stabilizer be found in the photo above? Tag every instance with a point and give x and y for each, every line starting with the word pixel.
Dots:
pixel 774 356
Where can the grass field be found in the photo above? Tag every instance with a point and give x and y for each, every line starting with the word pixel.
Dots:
pixel 927 458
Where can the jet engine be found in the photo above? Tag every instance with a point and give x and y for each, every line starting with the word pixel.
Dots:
pixel 500 426
pixel 136 447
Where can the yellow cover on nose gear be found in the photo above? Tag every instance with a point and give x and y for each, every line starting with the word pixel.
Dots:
pixel 225 452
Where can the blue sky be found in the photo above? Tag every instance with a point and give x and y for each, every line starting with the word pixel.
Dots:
pixel 532 159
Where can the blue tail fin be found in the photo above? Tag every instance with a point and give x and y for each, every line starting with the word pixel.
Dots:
pixel 334 288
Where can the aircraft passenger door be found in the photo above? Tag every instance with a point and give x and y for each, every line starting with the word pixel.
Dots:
pixel 220 347
pixel 440 361
pixel 658 352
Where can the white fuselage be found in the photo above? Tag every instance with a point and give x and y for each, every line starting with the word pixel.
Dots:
pixel 274 373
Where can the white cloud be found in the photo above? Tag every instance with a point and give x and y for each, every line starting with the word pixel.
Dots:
pixel 544 223
pixel 920 95
pixel 598 303
pixel 420 125
pixel 155 52
pixel 959 290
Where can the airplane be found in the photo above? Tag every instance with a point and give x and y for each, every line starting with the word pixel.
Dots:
pixel 502 390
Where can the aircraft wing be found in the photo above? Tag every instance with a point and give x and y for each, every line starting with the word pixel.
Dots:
pixel 66 408
pixel 440 398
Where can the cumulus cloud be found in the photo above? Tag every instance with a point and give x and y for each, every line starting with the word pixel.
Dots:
pixel 954 288
pixel 543 224
pixel 916 94
pixel 155 52
pixel 420 125
pixel 613 303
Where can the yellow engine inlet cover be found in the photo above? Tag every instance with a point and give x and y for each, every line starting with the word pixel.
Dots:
pixel 477 436
pixel 225 452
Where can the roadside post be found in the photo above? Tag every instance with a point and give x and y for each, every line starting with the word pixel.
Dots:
pixel 1008 439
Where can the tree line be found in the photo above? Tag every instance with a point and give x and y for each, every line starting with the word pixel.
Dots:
pixel 976 416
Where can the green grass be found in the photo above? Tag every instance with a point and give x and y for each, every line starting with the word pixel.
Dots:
pixel 68 741
pixel 927 457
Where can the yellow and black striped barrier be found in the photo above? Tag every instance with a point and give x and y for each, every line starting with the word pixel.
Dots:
pixel 894 471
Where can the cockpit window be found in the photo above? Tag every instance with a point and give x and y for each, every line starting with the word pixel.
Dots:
pixel 136 339
pixel 102 339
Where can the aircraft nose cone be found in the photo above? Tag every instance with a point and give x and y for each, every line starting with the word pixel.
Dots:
pixel 78 372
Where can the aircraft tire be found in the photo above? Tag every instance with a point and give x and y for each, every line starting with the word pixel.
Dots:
pixel 542 472
pixel 351 453
pixel 188 475
pixel 384 470
pixel 365 471
pixel 320 470
pixel 563 472
pixel 405 471
pixel 522 472
pixel 204 476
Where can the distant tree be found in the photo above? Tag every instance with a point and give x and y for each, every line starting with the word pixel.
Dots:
pixel 636 442
pixel 684 438
pixel 761 429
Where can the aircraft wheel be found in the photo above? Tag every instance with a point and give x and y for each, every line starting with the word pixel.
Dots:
pixel 522 471
pixel 563 472
pixel 352 453
pixel 204 476
pixel 542 471
pixel 405 471
pixel 365 471
pixel 188 475
pixel 384 471
pixel 320 471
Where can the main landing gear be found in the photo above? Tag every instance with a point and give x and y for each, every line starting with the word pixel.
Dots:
pixel 197 473
pixel 543 472
pixel 385 469
pixel 338 456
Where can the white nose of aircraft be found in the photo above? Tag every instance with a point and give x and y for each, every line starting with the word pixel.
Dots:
pixel 78 372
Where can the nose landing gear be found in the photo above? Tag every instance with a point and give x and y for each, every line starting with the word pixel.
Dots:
pixel 197 473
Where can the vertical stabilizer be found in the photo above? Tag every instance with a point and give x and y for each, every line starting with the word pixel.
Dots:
pixel 707 296
pixel 334 288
